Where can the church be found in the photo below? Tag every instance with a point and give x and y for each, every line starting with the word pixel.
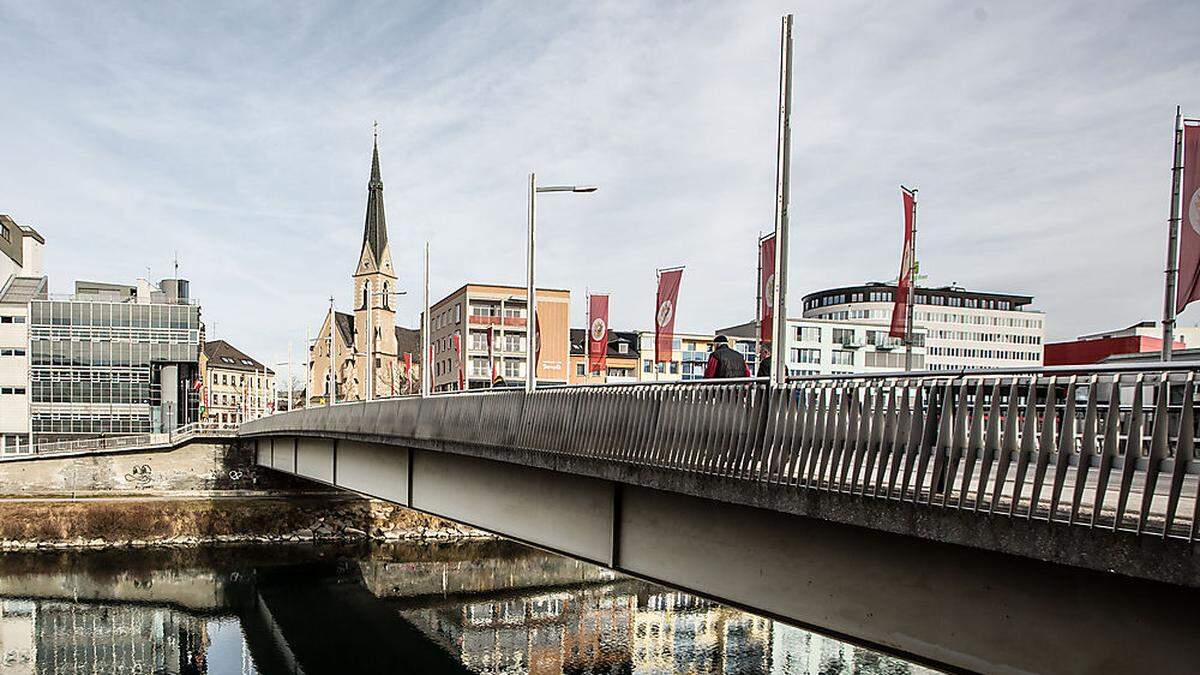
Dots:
pixel 354 351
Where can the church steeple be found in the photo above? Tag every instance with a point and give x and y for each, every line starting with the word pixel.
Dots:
pixel 375 229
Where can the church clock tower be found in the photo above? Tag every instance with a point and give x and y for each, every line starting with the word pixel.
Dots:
pixel 374 284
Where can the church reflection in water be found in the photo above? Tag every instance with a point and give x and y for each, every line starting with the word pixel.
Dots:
pixel 492 607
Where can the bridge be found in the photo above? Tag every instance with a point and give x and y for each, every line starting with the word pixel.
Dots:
pixel 983 520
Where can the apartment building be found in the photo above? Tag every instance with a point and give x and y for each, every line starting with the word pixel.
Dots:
pixel 963 329
pixel 234 386
pixel 474 309
pixel 621 358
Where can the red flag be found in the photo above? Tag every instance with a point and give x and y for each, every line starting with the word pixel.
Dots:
pixel 766 287
pixel 408 370
pixel 491 341
pixel 664 315
pixel 598 333
pixel 1189 229
pixel 904 286
pixel 457 340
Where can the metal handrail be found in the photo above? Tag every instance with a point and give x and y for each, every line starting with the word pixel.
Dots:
pixel 111 443
pixel 1040 444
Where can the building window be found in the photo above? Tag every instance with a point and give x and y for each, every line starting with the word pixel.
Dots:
pixel 580 368
pixel 647 365
pixel 843 336
pixel 842 357
pixel 808 334
pixel 805 355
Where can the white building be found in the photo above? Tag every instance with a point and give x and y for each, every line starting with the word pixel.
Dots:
pixel 828 347
pixel 965 329
pixel 21 280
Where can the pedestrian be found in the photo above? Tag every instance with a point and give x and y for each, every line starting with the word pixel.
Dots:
pixel 764 361
pixel 725 362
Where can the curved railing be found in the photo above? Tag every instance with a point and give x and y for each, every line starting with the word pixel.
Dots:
pixel 1111 447
pixel 129 442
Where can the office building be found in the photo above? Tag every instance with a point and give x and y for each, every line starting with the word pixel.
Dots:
pixel 366 343
pixel 113 359
pixel 621 358
pixel 234 387
pixel 20 250
pixel 827 347
pixel 471 311
pixel 15 296
pixel 964 329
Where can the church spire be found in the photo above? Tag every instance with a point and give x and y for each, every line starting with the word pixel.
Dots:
pixel 375 228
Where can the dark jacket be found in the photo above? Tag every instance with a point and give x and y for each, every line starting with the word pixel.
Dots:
pixel 725 362
pixel 764 367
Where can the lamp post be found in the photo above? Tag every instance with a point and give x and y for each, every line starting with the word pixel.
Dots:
pixel 530 292
pixel 371 340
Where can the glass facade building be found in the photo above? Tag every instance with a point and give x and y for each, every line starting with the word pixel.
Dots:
pixel 101 367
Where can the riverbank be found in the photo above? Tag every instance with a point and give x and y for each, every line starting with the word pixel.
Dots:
pixel 120 521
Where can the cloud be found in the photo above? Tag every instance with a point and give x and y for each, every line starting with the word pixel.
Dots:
pixel 1038 134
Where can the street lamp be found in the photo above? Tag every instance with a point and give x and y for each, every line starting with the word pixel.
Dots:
pixel 530 292
pixel 371 339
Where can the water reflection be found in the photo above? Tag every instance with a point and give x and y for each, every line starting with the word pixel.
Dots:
pixel 484 607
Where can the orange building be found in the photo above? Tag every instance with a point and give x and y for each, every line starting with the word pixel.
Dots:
pixel 475 309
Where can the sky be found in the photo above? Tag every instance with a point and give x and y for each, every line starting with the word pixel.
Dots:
pixel 239 136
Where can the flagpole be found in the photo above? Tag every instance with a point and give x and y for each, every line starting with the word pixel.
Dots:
pixel 782 189
pixel 1172 271
pixel 331 395
pixel 654 321
pixel 426 360
pixel 758 301
pixel 912 287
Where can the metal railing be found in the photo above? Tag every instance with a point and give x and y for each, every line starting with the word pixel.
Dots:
pixel 130 442
pixel 1111 447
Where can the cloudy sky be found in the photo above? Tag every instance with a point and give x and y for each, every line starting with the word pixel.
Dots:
pixel 1038 133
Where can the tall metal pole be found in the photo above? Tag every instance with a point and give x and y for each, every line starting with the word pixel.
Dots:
pixel 1168 324
pixel 291 403
pixel 331 393
pixel 758 303
pixel 782 189
pixel 531 298
pixel 426 360
pixel 308 366
pixel 912 288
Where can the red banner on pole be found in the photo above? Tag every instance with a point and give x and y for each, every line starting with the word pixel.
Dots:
pixel 1189 229
pixel 597 333
pixel 664 314
pixel 766 287
pixel 456 339
pixel 408 372
pixel 491 342
pixel 904 285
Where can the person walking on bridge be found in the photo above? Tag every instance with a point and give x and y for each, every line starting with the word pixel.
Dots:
pixel 764 361
pixel 725 362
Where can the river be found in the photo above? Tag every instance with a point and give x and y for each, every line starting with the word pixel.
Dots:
pixel 478 607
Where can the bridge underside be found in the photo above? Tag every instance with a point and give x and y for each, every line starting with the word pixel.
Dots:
pixel 951 604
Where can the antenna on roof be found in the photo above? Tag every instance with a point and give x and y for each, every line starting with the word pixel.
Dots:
pixel 176 264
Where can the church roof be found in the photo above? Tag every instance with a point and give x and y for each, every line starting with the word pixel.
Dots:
pixel 345 326
pixel 375 227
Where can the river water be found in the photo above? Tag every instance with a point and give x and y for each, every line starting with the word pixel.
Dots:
pixel 480 607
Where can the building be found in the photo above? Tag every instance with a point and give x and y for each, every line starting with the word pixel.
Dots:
pixel 621 358
pixel 113 359
pixel 689 356
pixel 1140 338
pixel 366 341
pixel 234 387
pixel 474 309
pixel 20 250
pixel 15 296
pixel 964 329
pixel 828 347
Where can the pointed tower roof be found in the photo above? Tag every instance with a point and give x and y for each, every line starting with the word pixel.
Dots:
pixel 375 228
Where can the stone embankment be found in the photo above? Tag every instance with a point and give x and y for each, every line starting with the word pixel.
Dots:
pixel 201 492
pixel 104 522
